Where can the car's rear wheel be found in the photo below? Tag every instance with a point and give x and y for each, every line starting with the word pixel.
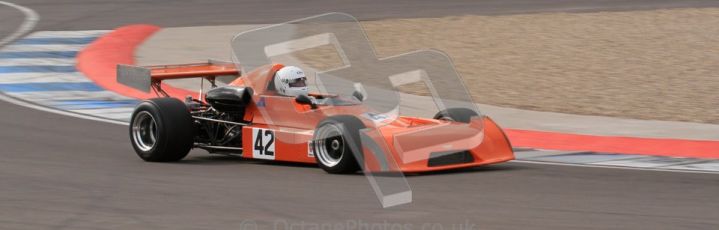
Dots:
pixel 334 142
pixel 463 115
pixel 161 130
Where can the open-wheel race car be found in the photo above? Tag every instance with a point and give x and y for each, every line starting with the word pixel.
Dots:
pixel 262 115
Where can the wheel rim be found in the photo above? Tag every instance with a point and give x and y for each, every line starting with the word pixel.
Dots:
pixel 144 131
pixel 330 145
pixel 445 118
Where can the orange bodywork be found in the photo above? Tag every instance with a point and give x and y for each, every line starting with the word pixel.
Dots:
pixel 407 142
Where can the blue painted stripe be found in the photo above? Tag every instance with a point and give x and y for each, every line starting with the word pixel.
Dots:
pixel 94 104
pixel 59 40
pixel 49 86
pixel 37 69
pixel 39 54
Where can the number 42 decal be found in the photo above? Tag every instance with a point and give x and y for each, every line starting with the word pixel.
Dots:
pixel 264 144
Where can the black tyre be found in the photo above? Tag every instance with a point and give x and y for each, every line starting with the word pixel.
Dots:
pixel 456 114
pixel 331 143
pixel 161 130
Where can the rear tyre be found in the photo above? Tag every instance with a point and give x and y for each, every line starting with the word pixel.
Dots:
pixel 463 115
pixel 331 143
pixel 161 130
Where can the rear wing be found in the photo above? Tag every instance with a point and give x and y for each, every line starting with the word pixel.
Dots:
pixel 144 78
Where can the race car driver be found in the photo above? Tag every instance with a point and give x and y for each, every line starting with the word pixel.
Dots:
pixel 291 81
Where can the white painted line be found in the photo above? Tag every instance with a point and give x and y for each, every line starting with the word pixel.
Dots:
pixel 42 77
pixel 31 19
pixel 540 153
pixel 36 61
pixel 585 158
pixel 69 95
pixel 648 162
pixel 57 111
pixel 616 167
pixel 706 166
pixel 127 110
pixel 40 48
pixel 68 34
pixel 115 116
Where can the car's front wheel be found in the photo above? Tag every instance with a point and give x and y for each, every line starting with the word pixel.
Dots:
pixel 334 142
pixel 463 115
pixel 161 130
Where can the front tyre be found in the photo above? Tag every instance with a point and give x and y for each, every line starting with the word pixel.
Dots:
pixel 332 142
pixel 463 115
pixel 161 130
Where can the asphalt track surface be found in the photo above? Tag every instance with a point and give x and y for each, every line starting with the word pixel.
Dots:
pixel 59 172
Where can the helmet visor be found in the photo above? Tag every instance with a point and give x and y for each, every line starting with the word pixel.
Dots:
pixel 298 82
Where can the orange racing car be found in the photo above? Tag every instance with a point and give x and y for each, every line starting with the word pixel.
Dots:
pixel 269 114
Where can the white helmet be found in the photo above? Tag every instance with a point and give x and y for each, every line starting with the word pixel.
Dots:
pixel 290 81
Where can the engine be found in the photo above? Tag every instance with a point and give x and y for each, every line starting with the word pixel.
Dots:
pixel 229 99
pixel 219 129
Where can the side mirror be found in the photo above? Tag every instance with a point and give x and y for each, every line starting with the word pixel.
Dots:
pixel 358 95
pixel 305 100
pixel 359 92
